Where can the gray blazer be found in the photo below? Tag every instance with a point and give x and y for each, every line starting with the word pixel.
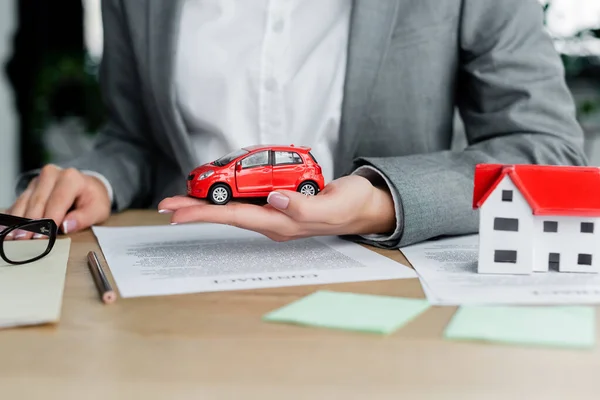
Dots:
pixel 411 63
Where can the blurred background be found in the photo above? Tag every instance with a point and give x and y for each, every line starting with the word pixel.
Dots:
pixel 50 106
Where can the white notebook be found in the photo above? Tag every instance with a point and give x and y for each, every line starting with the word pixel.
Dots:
pixel 31 294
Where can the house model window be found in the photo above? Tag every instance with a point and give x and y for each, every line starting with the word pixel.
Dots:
pixel 553 261
pixel 507 195
pixel 550 226
pixel 587 227
pixel 584 259
pixel 506 224
pixel 505 256
pixel 519 232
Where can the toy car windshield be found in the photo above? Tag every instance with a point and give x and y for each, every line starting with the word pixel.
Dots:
pixel 229 157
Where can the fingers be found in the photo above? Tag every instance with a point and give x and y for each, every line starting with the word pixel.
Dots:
pixel 38 201
pixel 67 189
pixel 19 207
pixel 56 191
pixel 92 206
pixel 241 215
pixel 171 204
pixel 265 220
pixel 37 194
pixel 287 215
pixel 302 208
pixel 82 218
pixel 41 191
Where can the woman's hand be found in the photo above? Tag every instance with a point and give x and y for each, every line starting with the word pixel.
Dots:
pixel 74 201
pixel 347 206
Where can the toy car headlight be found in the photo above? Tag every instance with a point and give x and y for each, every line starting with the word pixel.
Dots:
pixel 206 174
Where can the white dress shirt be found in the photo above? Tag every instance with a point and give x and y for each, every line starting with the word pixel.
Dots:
pixel 262 72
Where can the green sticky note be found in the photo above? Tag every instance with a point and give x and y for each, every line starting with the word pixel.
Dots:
pixel 537 326
pixel 350 311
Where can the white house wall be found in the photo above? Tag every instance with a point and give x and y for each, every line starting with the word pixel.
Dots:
pixel 568 241
pixel 491 240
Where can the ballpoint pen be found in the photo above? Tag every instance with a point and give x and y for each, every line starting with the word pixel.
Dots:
pixel 107 294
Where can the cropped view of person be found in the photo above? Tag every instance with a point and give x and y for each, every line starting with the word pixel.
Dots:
pixel 370 86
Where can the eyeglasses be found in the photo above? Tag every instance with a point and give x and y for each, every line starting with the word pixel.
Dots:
pixel 25 251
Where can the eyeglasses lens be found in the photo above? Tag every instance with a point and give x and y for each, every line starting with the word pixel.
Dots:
pixel 24 250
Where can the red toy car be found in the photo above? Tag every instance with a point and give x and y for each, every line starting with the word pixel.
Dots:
pixel 255 171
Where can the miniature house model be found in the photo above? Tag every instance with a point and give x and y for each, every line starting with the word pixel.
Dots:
pixel 536 218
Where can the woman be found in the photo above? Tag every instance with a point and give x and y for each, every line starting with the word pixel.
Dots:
pixel 370 86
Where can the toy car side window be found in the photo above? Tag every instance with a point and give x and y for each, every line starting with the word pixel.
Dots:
pixel 256 160
pixel 287 157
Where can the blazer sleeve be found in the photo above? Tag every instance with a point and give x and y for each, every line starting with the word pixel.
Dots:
pixel 515 106
pixel 124 148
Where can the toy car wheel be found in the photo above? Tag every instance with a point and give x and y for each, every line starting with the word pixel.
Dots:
pixel 219 194
pixel 308 188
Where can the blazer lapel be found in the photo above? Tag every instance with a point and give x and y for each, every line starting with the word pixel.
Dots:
pixel 163 19
pixel 370 31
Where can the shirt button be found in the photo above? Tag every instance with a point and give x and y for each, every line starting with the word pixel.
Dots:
pixel 271 84
pixel 278 26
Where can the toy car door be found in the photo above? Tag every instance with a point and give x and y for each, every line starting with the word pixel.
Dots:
pixel 288 168
pixel 254 173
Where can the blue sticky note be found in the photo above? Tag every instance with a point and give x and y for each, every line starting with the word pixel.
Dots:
pixel 536 326
pixel 350 311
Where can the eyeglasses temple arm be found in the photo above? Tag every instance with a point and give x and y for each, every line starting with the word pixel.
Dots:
pixel 10 220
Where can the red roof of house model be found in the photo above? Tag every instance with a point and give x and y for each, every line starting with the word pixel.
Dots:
pixel 549 190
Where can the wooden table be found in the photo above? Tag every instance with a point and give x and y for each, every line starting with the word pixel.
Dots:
pixel 214 345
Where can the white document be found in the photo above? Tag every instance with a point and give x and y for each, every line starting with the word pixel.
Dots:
pixel 191 258
pixel 448 272
pixel 32 293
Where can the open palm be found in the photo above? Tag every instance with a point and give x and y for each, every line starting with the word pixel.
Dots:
pixel 349 205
